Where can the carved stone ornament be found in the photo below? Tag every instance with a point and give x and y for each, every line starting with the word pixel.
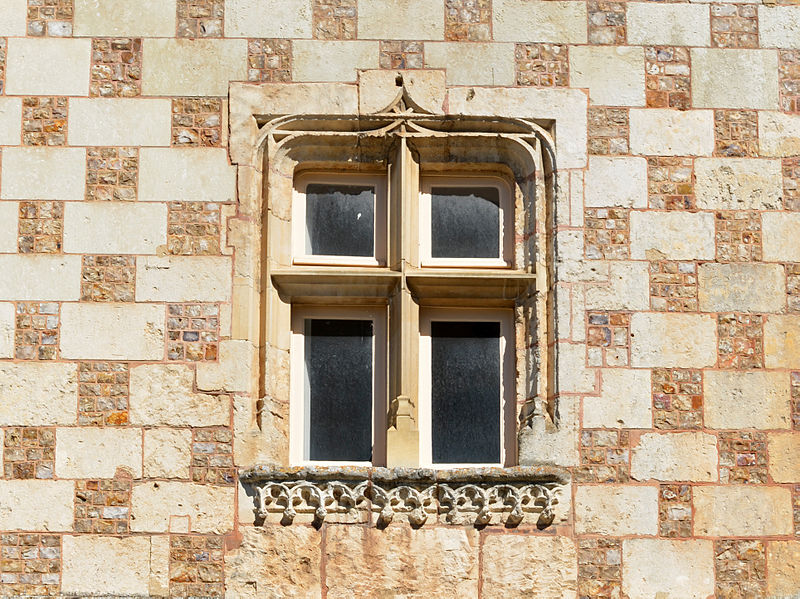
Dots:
pixel 466 496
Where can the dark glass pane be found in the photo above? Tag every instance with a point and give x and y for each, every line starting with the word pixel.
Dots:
pixel 465 392
pixel 340 220
pixel 465 222
pixel 338 369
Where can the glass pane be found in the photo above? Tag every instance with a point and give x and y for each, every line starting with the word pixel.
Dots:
pixel 465 392
pixel 340 220
pixel 338 386
pixel 465 222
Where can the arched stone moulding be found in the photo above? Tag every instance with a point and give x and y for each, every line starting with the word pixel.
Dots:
pixel 276 128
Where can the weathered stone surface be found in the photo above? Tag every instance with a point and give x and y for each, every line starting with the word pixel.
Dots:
pixel 543 443
pixel 550 570
pixel 783 568
pixel 89 452
pixel 742 511
pixel 316 60
pixel 539 21
pixel 43 174
pixel 779 26
pixel 268 18
pixel 755 399
pixel 13 18
pixel 120 122
pixel 734 78
pixel 738 184
pixel 628 288
pixel 113 331
pixel 616 181
pixel 184 67
pixel 784 457
pixel 672 235
pixel 43 505
pixel 782 342
pixel 159 565
pixel 234 370
pixel 616 510
pixel 42 277
pixel 667 569
pixel 209 507
pixel 613 74
pixel 377 89
pixel 668 24
pixel 406 19
pixel 114 227
pixel 673 340
pixel 167 452
pixel 472 64
pixel 624 400
pixel 283 561
pixel 186 174
pixel 665 132
pixel 10 121
pixel 8 314
pixel 161 394
pixel 48 66
pixel 119 18
pixel 38 393
pixel 94 564
pixel 573 375
pixel 778 236
pixel 429 562
pixel 741 287
pixel 183 279
pixel 778 134
pixel 9 215
pixel 687 456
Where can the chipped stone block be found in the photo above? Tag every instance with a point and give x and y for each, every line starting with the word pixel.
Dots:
pixel 89 452
pixel 666 132
pixel 209 507
pixel 734 78
pixel 41 277
pixel 668 24
pixel 667 569
pixel 186 174
pixel 616 510
pixel 539 21
pixel 624 400
pixel 754 399
pixel 783 568
pixel 741 287
pixel 167 453
pixel 43 173
pixel 779 26
pixel 616 181
pixel 784 457
pixel 38 393
pixel 552 565
pixel 113 331
pixel 675 457
pixel 673 340
pixel 778 134
pixel 13 18
pixel 672 235
pixel 121 18
pixel 48 67
pixel 738 183
pixel 268 18
pixel 183 279
pixel 120 122
pixel 114 227
pixel 316 60
pixel 94 564
pixel 9 216
pixel 10 121
pixel 782 341
pixel 719 511
pixel 403 20
pixel 44 505
pixel 614 75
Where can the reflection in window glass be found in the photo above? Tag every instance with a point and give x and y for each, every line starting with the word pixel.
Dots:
pixel 465 222
pixel 465 392
pixel 340 220
pixel 338 372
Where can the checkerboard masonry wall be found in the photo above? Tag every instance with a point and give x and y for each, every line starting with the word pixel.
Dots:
pixel 127 409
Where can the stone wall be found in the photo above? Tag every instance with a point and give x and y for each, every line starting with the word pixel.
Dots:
pixel 129 396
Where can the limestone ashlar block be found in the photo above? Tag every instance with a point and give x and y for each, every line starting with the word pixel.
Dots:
pixel 268 18
pixel 628 288
pixel 9 216
pixel 183 279
pixel 667 569
pixel 624 400
pixel 314 60
pixel 377 89
pixel 784 457
pixel 738 183
pixel 43 173
pixel 566 106
pixel 400 20
pixel 113 331
pixel 666 132
pixel 10 121
pixel 673 340
pixel 742 511
pixel 782 341
pixel 473 63
pixel 89 452
pixel 616 510
pixel 94 565
pixel 672 235
pixel 741 287
pixel 783 568
pixel 163 395
pixel 120 122
pixel 43 277
pixel 779 26
pixel 209 507
pixel 167 452
pixel 122 18
pixel 613 74
pixel 13 18
pixel 234 370
pixel 779 231
pixel 38 393
pixel 734 78
pixel 114 227
pixel 186 174
pixel 617 181
pixel 690 456
pixel 8 315
pixel 751 400
pixel 41 505
pixel 550 21
pixel 188 67
pixel 573 375
pixel 48 66
pixel 668 24
pixel 778 134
